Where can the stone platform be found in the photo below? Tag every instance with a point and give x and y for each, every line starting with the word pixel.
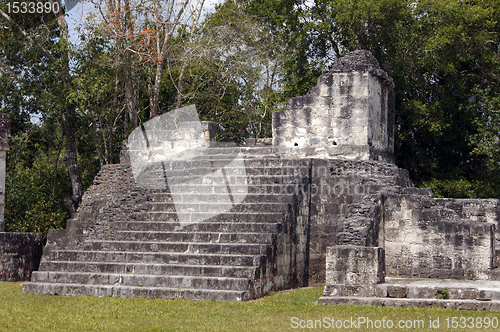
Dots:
pixel 436 293
pixel 129 241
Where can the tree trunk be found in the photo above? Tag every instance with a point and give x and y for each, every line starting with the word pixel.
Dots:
pixel 69 118
pixel 72 203
pixel 131 98
pixel 155 108
pixel 180 86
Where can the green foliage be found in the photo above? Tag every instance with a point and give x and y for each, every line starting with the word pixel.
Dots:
pixel 444 58
pixel 239 87
pixel 443 293
pixel 34 193
pixel 450 188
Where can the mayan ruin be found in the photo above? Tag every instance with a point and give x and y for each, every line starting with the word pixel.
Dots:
pixel 322 203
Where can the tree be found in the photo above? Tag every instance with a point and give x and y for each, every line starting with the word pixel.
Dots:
pixel 443 56
pixel 225 62
pixel 44 76
pixel 141 34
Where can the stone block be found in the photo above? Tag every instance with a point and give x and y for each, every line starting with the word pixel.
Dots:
pixel 397 291
pixel 20 255
pixel 209 130
pixel 354 265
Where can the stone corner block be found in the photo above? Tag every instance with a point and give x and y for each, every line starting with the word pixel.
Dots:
pixel 355 265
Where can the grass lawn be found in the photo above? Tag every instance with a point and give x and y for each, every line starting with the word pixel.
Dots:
pixel 19 312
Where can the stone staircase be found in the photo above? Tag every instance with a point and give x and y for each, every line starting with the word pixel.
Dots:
pixel 127 241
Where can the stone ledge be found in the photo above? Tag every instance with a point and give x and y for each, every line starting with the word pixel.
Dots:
pixel 465 292
pixel 419 303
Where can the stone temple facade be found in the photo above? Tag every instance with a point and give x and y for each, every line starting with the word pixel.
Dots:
pixel 321 204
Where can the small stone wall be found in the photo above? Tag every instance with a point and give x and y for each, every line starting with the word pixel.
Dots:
pixel 426 238
pixel 20 255
pixel 355 265
pixel 191 134
pixel 353 270
pixel 259 142
pixel 350 113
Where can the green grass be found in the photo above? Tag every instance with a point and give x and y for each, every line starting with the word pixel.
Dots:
pixel 19 312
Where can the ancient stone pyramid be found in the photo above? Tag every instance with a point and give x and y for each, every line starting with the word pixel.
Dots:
pixel 127 241
pixel 327 185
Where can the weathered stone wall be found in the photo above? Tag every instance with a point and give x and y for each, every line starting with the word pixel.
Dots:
pixel 193 134
pixel 350 113
pixel 293 245
pixel 20 255
pixel 353 270
pixel 114 196
pixel 426 237
pixel 346 205
pixel 475 210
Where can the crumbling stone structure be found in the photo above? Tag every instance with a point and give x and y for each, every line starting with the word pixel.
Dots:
pixel 20 253
pixel 324 203
pixel 349 113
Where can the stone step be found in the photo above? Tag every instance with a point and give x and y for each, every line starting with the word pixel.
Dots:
pixel 153 269
pixel 268 189
pixel 215 185
pixel 419 288
pixel 180 247
pixel 143 280
pixel 228 155
pixel 154 257
pixel 224 161
pixel 406 302
pixel 221 237
pixel 166 226
pixel 129 291
pixel 210 169
pixel 214 207
pixel 252 150
pixel 231 174
pixel 222 217
pixel 285 173
pixel 244 198
pixel 483 290
pixel 296 170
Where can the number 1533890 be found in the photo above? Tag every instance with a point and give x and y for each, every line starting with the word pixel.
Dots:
pixel 32 7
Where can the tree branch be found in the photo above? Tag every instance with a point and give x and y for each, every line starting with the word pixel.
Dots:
pixel 25 34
